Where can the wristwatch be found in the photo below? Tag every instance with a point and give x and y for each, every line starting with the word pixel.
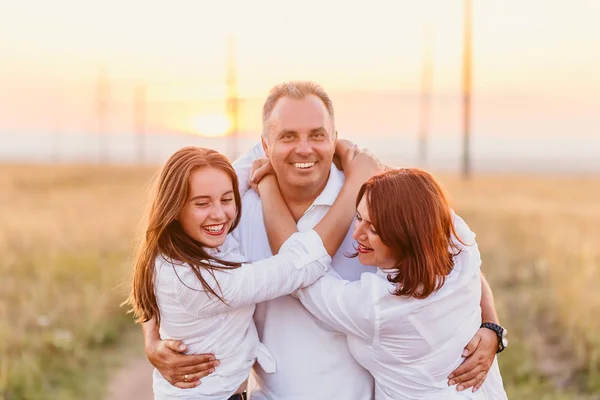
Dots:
pixel 500 332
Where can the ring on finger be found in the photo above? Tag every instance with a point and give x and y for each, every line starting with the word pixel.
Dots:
pixel 185 377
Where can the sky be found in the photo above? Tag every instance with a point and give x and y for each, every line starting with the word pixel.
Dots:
pixel 536 70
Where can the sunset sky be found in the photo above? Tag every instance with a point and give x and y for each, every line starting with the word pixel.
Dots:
pixel 536 63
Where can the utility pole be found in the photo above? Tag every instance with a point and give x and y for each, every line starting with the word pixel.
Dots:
pixel 467 63
pixel 140 122
pixel 425 106
pixel 102 89
pixel 232 98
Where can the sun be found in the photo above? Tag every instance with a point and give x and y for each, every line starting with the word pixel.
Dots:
pixel 211 125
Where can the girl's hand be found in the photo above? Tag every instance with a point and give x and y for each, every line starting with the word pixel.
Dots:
pixel 345 151
pixel 261 167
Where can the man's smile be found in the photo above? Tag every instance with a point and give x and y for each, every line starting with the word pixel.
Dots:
pixel 304 165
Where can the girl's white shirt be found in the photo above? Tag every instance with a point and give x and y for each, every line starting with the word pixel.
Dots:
pixel 207 325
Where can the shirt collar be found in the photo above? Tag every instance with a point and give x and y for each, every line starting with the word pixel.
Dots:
pixel 384 273
pixel 228 251
pixel 332 188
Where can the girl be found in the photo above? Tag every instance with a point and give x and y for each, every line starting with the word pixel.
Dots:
pixel 190 277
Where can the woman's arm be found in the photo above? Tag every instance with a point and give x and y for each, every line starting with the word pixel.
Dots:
pixel 344 306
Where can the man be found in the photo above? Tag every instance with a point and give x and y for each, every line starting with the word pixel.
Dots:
pixel 313 362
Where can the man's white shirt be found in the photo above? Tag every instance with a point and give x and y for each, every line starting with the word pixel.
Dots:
pixel 313 362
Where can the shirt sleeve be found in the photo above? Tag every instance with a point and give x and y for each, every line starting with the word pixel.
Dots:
pixel 301 261
pixel 248 232
pixel 243 166
pixel 347 307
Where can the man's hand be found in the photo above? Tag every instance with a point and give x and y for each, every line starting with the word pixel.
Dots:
pixel 480 354
pixel 181 370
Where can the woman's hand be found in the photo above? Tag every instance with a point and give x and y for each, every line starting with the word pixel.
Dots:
pixel 261 167
pixel 345 151
pixel 358 165
pixel 363 166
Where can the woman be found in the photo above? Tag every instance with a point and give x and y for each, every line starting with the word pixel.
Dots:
pixel 409 323
pixel 190 278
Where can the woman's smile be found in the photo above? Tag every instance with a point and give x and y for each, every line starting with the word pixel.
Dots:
pixel 364 249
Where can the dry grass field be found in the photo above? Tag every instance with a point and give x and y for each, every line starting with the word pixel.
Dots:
pixel 66 235
pixel 65 238
pixel 539 240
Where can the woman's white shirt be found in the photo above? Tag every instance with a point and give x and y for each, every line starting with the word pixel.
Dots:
pixel 207 325
pixel 409 345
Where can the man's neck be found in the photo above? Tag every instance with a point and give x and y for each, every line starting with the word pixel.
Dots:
pixel 299 200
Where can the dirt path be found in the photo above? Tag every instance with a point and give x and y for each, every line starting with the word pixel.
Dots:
pixel 133 381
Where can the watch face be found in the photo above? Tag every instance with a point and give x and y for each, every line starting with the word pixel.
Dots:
pixel 504 338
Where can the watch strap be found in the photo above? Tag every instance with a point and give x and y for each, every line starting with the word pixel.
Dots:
pixel 498 330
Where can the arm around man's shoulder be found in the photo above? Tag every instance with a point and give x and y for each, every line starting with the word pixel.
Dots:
pixel 243 166
pixel 250 230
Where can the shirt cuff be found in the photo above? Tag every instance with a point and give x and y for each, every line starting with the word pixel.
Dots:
pixel 307 247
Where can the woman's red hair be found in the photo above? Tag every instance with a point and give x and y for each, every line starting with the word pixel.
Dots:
pixel 409 211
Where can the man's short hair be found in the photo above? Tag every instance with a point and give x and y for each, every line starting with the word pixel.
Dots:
pixel 295 90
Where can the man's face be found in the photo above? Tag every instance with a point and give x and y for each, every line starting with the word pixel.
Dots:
pixel 300 142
